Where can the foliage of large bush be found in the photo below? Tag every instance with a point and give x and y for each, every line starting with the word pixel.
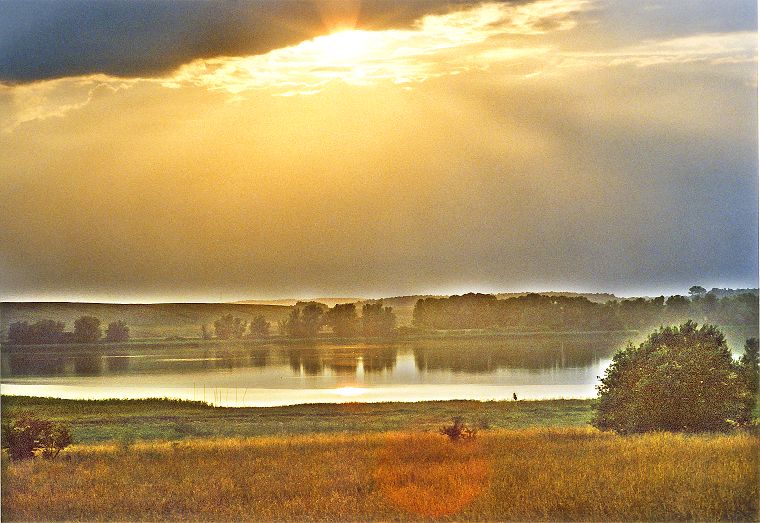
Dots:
pixel 681 378
pixel 25 434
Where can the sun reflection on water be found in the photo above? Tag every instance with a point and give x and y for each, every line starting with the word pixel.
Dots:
pixel 350 391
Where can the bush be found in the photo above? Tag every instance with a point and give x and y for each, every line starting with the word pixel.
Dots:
pixel 458 430
pixel 681 378
pixel 26 433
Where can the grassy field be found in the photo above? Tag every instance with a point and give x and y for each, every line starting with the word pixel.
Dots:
pixel 128 420
pixel 530 474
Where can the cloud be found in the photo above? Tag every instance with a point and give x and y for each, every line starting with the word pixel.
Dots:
pixel 713 48
pixel 53 98
pixel 432 46
pixel 142 38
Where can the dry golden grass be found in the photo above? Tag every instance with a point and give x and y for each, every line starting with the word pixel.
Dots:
pixel 533 474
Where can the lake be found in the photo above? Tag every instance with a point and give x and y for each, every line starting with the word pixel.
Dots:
pixel 255 374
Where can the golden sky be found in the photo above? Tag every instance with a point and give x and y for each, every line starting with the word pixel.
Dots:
pixel 373 148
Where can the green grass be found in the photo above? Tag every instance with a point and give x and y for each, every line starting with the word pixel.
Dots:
pixel 103 420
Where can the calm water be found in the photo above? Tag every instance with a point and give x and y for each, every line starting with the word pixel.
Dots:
pixel 248 374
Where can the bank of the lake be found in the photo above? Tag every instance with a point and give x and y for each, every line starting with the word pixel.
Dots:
pixel 404 334
pixel 130 420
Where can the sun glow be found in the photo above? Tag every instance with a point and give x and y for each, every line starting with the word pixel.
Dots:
pixel 435 46
pixel 349 391
pixel 349 45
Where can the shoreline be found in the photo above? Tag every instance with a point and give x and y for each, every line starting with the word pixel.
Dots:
pixel 327 339
pixel 94 421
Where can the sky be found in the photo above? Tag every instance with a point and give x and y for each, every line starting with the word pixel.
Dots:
pixel 193 151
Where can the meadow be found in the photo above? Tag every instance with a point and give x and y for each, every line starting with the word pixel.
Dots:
pixel 534 474
pixel 129 420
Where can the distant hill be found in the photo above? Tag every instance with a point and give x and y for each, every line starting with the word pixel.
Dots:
pixel 722 293
pixel 289 302
pixel 597 297
pixel 155 320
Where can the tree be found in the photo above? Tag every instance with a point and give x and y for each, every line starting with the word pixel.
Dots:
pixel 291 326
pixel 304 321
pixel 117 331
pixel 43 331
pixel 19 333
pixel 697 291
pixel 750 372
pixel 87 330
pixel 311 316
pixel 750 362
pixel 259 327
pixel 707 304
pixel 677 304
pixel 681 378
pixel 26 433
pixel 228 327
pixel 342 318
pixel 377 320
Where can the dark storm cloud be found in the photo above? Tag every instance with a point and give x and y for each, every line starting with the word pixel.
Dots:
pixel 44 40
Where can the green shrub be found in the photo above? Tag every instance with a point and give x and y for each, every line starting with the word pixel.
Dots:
pixel 681 378
pixel 25 434
pixel 458 430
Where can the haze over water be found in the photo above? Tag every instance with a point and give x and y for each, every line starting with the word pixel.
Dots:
pixel 244 374
pixel 266 375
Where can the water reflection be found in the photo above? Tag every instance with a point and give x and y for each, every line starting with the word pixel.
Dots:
pixel 481 356
pixel 305 361
pixel 117 364
pixel 538 366
pixel 20 364
pixel 259 358
pixel 379 360
pixel 88 365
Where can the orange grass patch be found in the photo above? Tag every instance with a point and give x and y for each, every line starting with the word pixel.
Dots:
pixel 427 475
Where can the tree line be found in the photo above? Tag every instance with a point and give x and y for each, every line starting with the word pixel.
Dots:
pixel 231 327
pixel 307 319
pixel 561 313
pixel 87 329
